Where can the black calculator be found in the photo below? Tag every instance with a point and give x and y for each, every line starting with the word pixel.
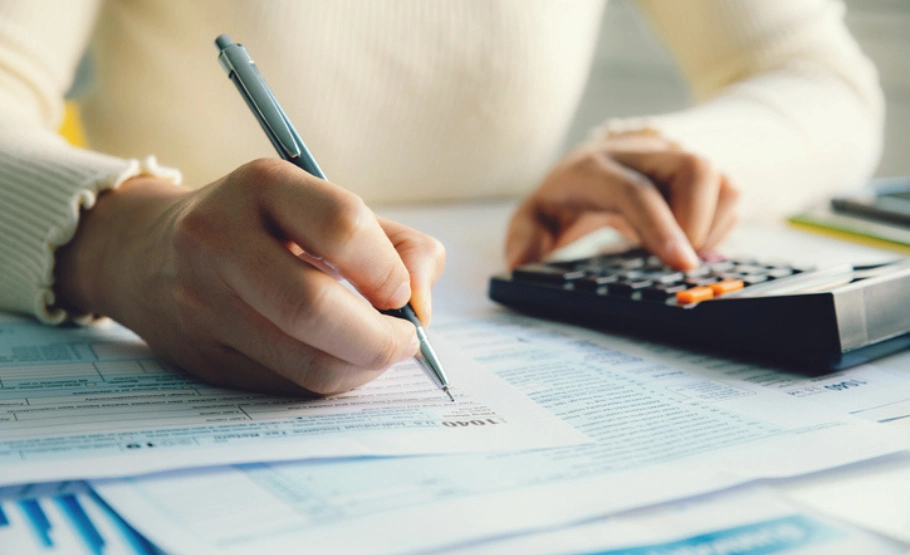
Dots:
pixel 811 320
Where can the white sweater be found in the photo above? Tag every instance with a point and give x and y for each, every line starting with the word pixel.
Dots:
pixel 403 100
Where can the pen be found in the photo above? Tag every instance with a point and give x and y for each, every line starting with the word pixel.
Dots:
pixel 240 68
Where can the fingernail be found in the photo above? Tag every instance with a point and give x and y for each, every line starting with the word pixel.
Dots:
pixel 680 250
pixel 402 296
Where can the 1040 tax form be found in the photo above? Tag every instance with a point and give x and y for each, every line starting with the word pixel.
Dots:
pixel 661 433
pixel 89 402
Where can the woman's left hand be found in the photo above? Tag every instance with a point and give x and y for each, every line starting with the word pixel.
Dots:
pixel 671 201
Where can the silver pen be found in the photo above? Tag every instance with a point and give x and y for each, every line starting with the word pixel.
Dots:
pixel 240 68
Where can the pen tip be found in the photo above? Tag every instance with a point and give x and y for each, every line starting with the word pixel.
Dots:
pixel 449 393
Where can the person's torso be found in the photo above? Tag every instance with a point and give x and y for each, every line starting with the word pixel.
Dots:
pixel 399 100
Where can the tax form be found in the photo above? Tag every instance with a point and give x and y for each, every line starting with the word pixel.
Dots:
pixel 85 403
pixel 662 433
pixel 871 391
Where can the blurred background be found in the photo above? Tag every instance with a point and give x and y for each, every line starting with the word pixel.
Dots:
pixel 633 73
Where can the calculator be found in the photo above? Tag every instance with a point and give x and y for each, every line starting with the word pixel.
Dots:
pixel 805 319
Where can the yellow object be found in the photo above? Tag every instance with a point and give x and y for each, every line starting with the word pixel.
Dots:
pixel 852 237
pixel 71 130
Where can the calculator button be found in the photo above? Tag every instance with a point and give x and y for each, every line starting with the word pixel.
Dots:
pixel 630 275
pixel 632 264
pixel 700 281
pixel 750 269
pixel 666 277
pixel 542 273
pixel 775 273
pixel 662 292
pixel 592 283
pixel 726 286
pixel 728 275
pixel 624 287
pixel 591 268
pixel 694 295
pixel 722 266
pixel 752 279
pixel 701 271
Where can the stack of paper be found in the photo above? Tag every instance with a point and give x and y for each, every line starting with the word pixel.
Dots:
pixel 554 426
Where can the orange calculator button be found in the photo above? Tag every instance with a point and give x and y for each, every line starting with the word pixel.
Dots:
pixel 694 295
pixel 726 286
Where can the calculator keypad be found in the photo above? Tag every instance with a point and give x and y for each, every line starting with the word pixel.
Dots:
pixel 640 276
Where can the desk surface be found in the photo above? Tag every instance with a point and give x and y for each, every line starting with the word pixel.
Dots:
pixel 875 495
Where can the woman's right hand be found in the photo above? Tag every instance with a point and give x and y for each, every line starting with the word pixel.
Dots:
pixel 237 282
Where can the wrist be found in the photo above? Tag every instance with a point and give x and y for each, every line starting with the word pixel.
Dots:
pixel 92 270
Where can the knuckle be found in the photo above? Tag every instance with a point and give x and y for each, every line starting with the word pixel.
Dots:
pixel 194 229
pixel 302 306
pixel 591 161
pixel 695 167
pixel 390 352
pixel 634 187
pixel 261 172
pixel 389 282
pixel 347 217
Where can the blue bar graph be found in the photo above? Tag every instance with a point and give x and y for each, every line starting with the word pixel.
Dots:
pixel 82 523
pixel 136 540
pixel 38 521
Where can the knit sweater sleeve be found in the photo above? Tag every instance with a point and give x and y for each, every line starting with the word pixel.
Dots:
pixel 44 182
pixel 787 104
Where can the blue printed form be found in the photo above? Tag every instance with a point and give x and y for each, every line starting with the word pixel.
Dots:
pixel 661 434
pixel 64 517
pixel 85 403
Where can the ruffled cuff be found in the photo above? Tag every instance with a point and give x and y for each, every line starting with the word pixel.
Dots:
pixel 44 186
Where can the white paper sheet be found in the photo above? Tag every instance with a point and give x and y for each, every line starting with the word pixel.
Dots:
pixel 873 496
pixel 749 521
pixel 867 391
pixel 662 434
pixel 79 403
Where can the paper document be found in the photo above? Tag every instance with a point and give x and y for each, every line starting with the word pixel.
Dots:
pixel 661 434
pixel 66 518
pixel 866 391
pixel 874 497
pixel 750 521
pixel 79 403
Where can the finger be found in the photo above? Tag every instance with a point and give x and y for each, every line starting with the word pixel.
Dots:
pixel 528 238
pixel 590 222
pixel 335 225
pixel 425 259
pixel 693 183
pixel 726 216
pixel 224 367
pixel 313 308
pixel 612 187
pixel 262 355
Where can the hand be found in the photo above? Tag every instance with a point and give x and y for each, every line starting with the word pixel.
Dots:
pixel 671 201
pixel 236 282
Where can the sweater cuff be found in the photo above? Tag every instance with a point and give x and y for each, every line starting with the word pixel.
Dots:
pixel 44 185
